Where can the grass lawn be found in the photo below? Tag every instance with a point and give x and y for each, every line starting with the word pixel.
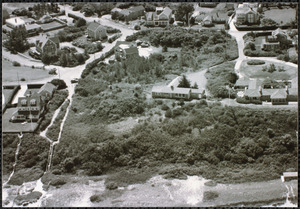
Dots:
pixel 286 15
pixel 9 72
pixel 255 71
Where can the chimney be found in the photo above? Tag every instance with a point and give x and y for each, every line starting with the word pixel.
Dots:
pixel 172 88
pixel 287 89
pixel 16 20
pixel 29 94
pixel 260 90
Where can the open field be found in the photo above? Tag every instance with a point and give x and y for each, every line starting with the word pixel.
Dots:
pixel 286 15
pixel 255 71
pixel 11 73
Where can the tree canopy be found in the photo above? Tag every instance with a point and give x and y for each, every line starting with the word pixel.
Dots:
pixel 183 12
pixel 184 82
pixel 17 40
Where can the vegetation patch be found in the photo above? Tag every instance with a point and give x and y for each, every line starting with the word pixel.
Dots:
pixel 221 79
pixel 210 196
pixel 256 62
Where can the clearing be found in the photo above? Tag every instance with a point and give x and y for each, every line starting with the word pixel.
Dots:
pixel 286 15
pixel 255 71
pixel 11 73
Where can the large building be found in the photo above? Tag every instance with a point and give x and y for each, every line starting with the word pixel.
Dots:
pixel 96 31
pixel 47 45
pixel 14 22
pixel 246 16
pixel 159 18
pixel 124 50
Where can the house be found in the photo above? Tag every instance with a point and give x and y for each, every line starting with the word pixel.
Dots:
pixel 46 91
pixel 124 50
pixel 47 45
pixel 96 31
pixel 33 29
pixel 207 21
pixel 279 97
pixel 252 94
pixel 242 83
pixel 246 15
pixel 29 108
pixel 171 92
pixel 14 22
pixel 270 46
pixel 159 18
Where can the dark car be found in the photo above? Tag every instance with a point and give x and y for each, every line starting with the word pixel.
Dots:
pixel 75 80
pixel 145 44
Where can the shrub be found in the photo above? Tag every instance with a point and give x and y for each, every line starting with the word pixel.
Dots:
pixel 52 72
pixel 169 114
pixel 96 198
pixel 16 64
pixel 256 62
pixel 242 100
pixel 210 195
pixel 111 185
pixel 165 107
pixel 137 27
pixel 60 84
pixel 22 79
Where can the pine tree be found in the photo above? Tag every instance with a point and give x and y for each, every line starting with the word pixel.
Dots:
pixel 184 82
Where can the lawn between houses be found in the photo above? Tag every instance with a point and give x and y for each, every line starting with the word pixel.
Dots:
pixel 256 71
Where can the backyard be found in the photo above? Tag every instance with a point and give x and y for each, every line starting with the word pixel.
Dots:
pixel 286 15
pixel 255 71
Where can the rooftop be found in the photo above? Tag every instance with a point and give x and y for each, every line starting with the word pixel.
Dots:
pixel 15 21
pixel 167 89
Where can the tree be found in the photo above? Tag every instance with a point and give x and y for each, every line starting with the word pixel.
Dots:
pixel 63 59
pixel 184 82
pixel 5 15
pixel 17 40
pixel 80 22
pixel 195 86
pixel 268 22
pixel 183 12
pixel 61 84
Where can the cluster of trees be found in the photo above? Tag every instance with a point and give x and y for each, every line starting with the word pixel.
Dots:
pixel 17 40
pixel 68 34
pixel 89 9
pixel 44 8
pixel 220 79
pixel 272 68
pixel 178 37
pixel 185 83
pixel 237 138
pixel 184 12
pixel 66 57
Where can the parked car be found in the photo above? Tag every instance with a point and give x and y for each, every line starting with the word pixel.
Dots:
pixel 18 119
pixel 145 44
pixel 75 80
pixel 34 54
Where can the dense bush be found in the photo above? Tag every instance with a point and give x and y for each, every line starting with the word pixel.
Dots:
pixel 256 62
pixel 114 37
pixel 220 80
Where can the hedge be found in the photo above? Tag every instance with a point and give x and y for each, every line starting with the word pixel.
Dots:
pixel 256 62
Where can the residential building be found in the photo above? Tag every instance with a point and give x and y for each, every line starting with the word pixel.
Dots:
pixel 29 108
pixel 159 18
pixel 246 15
pixel 46 91
pixel 33 29
pixel 207 21
pixel 270 46
pixel 171 92
pixel 47 45
pixel 124 50
pixel 14 22
pixel 242 83
pixel 96 31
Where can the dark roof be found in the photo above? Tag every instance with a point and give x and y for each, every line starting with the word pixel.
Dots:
pixel 55 39
pixel 94 26
pixel 242 82
pixel 279 94
pixel 132 50
pixel 167 11
pixel 49 87
pixel 252 93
